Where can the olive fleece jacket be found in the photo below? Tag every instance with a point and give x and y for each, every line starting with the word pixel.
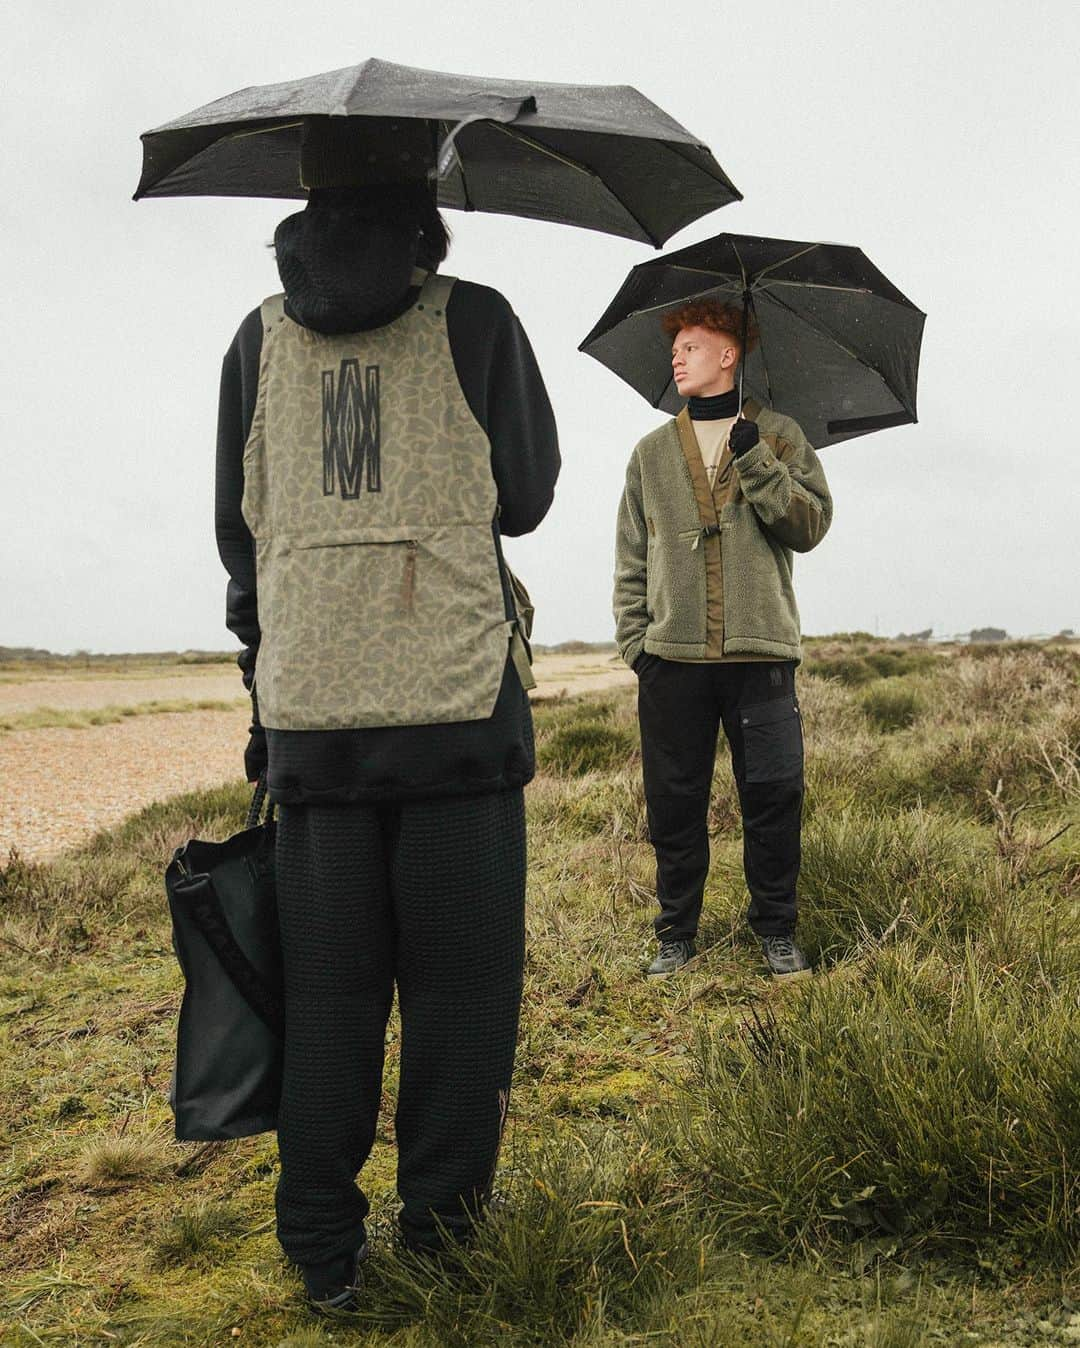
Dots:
pixel 705 574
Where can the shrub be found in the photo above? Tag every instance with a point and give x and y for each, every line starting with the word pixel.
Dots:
pixel 584 736
pixel 864 873
pixel 190 1236
pixel 1016 685
pixel 590 1239
pixel 890 705
pixel 854 666
pixel 600 804
pixel 111 1160
pixel 962 766
pixel 917 1102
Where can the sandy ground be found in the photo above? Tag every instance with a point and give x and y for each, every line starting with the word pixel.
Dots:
pixel 59 786
pixel 59 691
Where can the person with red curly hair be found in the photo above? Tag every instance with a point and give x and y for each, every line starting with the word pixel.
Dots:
pixel 716 502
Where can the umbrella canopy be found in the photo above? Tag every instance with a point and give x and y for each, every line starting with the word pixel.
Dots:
pixel 600 156
pixel 838 345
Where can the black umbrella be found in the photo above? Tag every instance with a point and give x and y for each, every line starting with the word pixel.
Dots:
pixel 600 156
pixel 838 345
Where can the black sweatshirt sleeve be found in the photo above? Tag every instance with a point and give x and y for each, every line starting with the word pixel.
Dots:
pixel 503 387
pixel 236 547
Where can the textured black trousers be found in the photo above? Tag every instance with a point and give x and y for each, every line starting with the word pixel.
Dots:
pixel 680 709
pixel 429 895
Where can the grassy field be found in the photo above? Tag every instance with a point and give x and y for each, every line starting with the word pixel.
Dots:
pixel 883 1156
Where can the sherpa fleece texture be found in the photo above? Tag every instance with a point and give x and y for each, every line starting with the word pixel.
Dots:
pixel 778 503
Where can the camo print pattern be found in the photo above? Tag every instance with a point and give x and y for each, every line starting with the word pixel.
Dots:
pixel 386 609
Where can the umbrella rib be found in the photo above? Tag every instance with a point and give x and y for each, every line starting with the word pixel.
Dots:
pixel 764 362
pixel 784 260
pixel 663 391
pixel 680 150
pixel 831 337
pixel 681 266
pixel 742 265
pixel 516 134
pixel 668 304
pixel 801 285
pixel 263 130
pixel 819 285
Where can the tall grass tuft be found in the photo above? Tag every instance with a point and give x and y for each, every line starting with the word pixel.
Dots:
pixel 913 1102
pixel 114 1160
pixel 580 737
pixel 890 704
pixel 591 1239
pixel 194 1234
pixel 910 872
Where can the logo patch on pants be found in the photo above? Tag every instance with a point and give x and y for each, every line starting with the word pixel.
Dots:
pixel 350 427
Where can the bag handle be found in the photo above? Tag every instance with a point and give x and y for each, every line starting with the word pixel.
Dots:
pixel 257 800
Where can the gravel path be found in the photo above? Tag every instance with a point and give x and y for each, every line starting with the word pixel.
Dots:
pixel 59 786
pixel 89 694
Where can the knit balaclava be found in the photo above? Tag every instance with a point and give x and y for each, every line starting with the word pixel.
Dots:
pixel 344 261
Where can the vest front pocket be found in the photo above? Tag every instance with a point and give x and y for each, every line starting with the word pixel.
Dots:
pixel 394 625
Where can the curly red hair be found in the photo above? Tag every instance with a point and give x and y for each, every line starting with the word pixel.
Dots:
pixel 711 314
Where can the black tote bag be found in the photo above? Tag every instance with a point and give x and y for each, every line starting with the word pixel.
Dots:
pixel 227 1078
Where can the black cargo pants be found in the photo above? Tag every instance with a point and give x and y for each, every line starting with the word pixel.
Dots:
pixel 680 709
pixel 428 895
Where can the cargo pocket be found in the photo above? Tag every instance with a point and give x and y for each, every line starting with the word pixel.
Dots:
pixel 772 740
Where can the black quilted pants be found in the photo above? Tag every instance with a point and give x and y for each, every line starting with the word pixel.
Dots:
pixel 681 708
pixel 429 895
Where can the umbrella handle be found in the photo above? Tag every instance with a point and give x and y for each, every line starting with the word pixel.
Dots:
pixel 494 110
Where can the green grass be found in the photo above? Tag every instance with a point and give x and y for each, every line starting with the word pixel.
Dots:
pixel 28 663
pixel 882 1157
pixel 890 707
pixel 51 718
pixel 915 1101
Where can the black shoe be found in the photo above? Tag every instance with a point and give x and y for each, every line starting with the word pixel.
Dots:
pixel 673 955
pixel 333 1286
pixel 784 957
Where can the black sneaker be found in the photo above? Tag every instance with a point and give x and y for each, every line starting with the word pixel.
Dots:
pixel 333 1286
pixel 784 957
pixel 673 955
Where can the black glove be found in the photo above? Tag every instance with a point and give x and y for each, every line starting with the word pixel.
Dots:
pixel 255 754
pixel 744 436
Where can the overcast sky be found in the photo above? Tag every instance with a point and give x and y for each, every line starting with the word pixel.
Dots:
pixel 941 137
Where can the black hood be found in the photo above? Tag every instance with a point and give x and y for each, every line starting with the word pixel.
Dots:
pixel 344 265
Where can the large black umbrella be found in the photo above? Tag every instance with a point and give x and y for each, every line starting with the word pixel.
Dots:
pixel 838 345
pixel 600 156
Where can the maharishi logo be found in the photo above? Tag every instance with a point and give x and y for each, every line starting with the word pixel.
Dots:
pixel 350 435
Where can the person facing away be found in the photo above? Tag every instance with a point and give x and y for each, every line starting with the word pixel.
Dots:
pixel 381 426
pixel 715 503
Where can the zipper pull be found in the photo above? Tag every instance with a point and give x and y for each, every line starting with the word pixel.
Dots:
pixel 408 584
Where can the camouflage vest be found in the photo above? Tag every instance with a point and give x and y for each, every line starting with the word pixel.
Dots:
pixel 369 492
